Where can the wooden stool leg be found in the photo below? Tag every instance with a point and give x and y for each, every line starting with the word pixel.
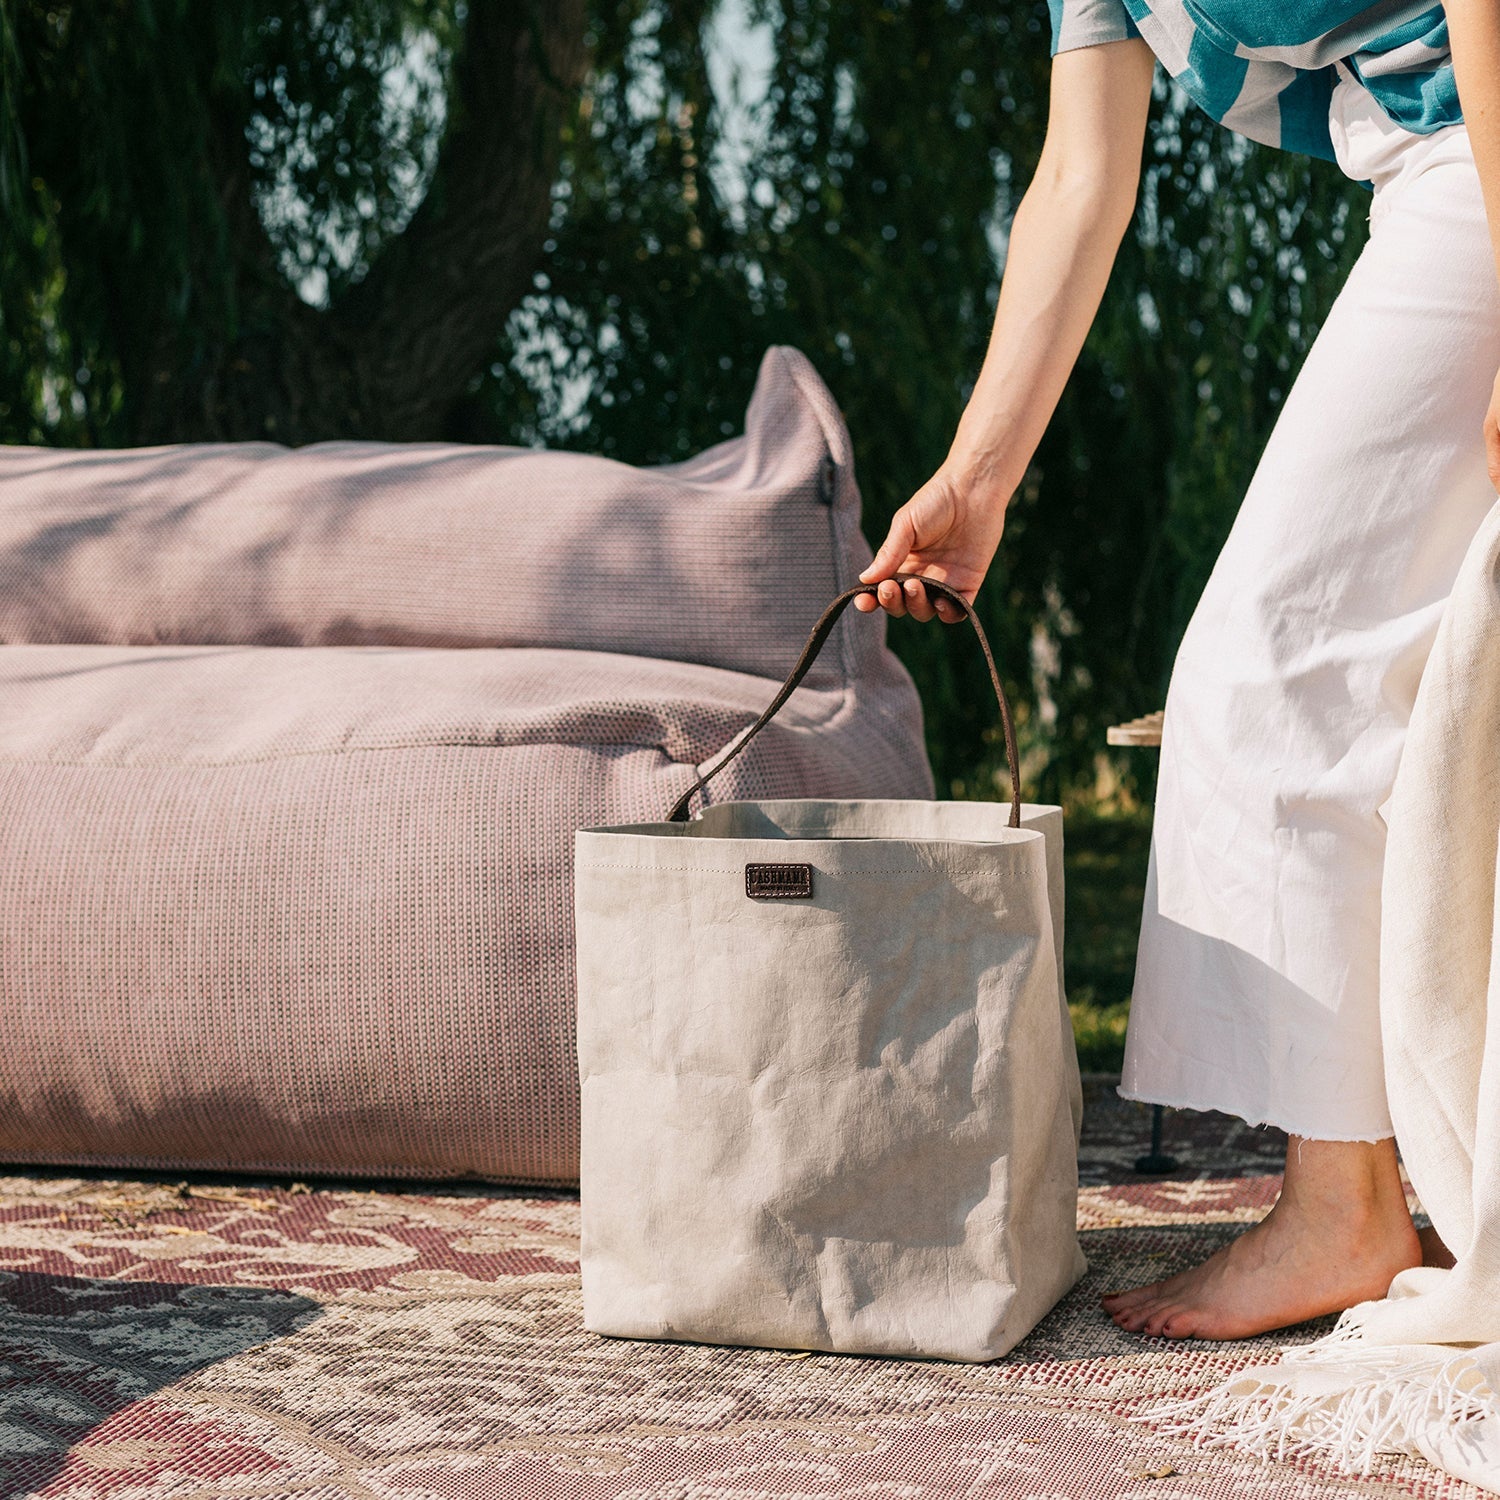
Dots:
pixel 1156 1161
pixel 1146 730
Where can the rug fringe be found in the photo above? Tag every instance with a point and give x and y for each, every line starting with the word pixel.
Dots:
pixel 1337 1400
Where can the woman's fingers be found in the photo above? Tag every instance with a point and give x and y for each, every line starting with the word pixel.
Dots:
pixel 926 604
pixel 910 598
pixel 941 530
pixel 899 541
pixel 918 601
pixel 887 596
pixel 892 598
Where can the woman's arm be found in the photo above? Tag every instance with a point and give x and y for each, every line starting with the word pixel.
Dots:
pixel 1474 36
pixel 1063 241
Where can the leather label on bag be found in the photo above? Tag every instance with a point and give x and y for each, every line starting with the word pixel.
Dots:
pixel 778 882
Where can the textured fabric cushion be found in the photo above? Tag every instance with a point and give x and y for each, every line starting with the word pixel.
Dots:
pixel 309 909
pixel 724 560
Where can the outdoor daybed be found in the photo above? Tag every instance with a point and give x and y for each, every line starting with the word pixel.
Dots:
pixel 293 745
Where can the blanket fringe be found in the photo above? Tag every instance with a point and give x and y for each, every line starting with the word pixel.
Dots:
pixel 1337 1399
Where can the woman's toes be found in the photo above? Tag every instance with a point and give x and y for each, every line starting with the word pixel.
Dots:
pixel 1133 1319
pixel 1139 1297
pixel 1172 1321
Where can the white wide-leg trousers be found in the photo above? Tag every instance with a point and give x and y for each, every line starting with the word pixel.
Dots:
pixel 1257 976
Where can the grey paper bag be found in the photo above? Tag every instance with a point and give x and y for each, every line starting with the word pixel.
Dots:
pixel 830 1095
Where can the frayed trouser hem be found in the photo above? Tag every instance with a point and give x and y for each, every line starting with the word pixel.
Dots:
pixel 1255 1123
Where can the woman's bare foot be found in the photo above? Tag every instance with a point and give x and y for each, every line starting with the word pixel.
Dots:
pixel 1339 1234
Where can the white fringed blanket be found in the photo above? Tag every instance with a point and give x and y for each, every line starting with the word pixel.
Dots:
pixel 1419 1372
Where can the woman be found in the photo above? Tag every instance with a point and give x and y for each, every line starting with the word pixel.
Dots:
pixel 1256 983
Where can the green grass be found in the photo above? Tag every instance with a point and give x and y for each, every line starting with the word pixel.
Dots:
pixel 1106 875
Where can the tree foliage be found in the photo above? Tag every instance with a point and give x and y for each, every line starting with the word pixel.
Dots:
pixel 180 178
pixel 427 212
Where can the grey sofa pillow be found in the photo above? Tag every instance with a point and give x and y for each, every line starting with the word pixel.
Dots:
pixel 724 560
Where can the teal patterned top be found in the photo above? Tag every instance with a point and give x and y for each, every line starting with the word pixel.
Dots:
pixel 1267 70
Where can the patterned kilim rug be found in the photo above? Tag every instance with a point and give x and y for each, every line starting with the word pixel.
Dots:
pixel 210 1339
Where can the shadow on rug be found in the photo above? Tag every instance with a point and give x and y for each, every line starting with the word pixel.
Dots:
pixel 266 1340
pixel 75 1350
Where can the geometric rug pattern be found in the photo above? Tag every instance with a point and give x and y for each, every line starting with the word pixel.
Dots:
pixel 220 1340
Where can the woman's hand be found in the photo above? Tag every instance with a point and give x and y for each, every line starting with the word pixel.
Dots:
pixel 1062 244
pixel 945 531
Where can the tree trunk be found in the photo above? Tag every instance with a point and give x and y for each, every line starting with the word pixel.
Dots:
pixel 392 357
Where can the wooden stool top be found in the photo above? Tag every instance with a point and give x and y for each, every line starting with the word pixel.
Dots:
pixel 1143 731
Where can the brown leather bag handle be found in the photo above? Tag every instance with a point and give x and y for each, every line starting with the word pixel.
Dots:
pixel 815 642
